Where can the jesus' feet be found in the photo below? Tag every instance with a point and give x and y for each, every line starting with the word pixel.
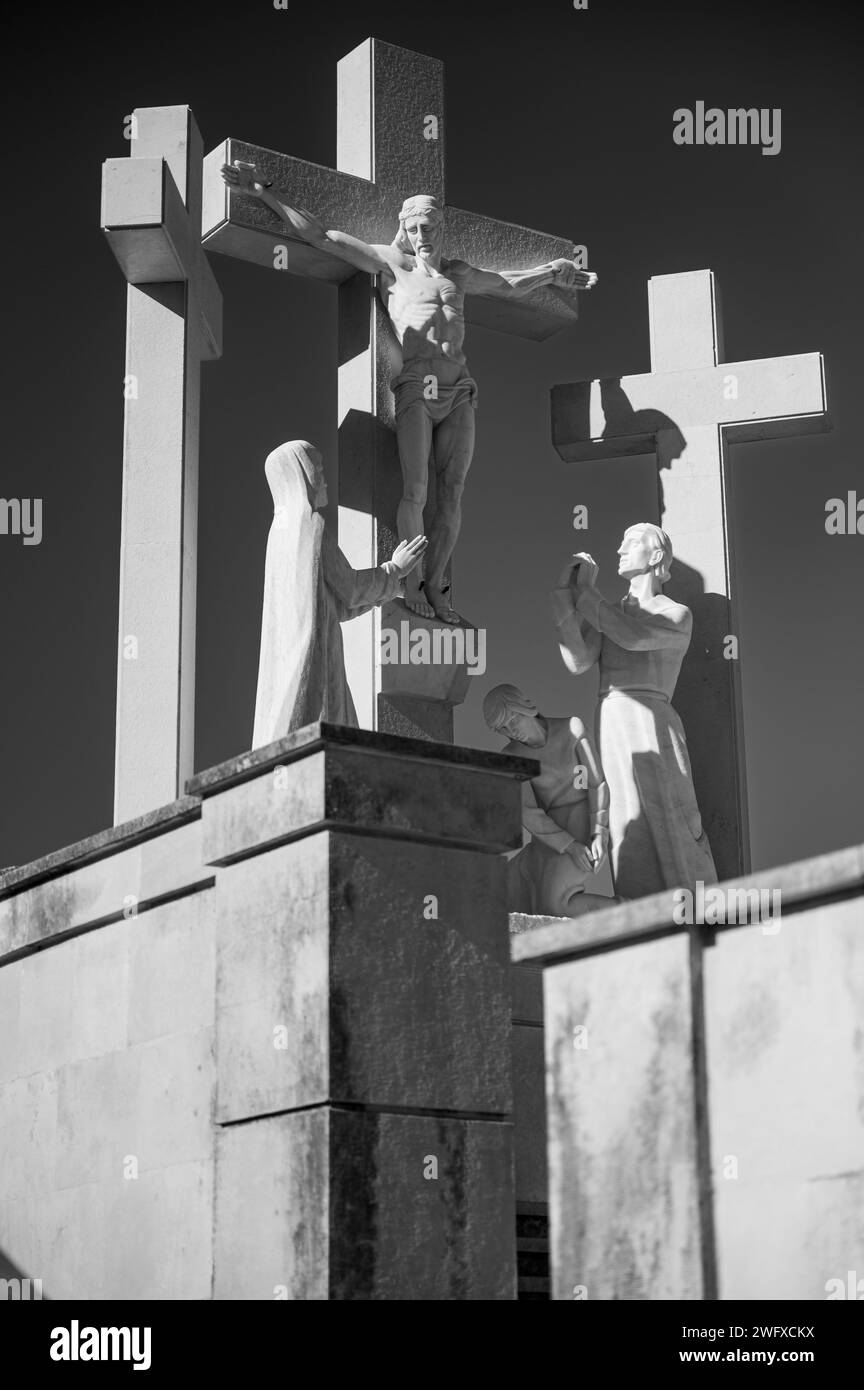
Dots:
pixel 414 598
pixel 441 604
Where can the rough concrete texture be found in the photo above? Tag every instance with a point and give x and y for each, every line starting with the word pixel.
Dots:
pixel 769 1045
pixel 785 1043
pixel 106 1084
pixel 121 884
pixel 529 1076
pixel 348 787
pixel 326 938
pixel 366 966
pixel 529 1113
pixel 623 1188
pixel 352 1205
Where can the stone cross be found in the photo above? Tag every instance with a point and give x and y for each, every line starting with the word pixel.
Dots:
pixel 390 145
pixel 686 412
pixel 151 214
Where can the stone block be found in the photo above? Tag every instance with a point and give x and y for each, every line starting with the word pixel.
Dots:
pixel 118 883
pixel 526 992
pixel 368 788
pixel 11 1029
pixel 529 1114
pixel 172 967
pixel 73 999
pixel 784 1033
pixel 145 1239
pixel 326 938
pixel 359 1206
pixel 623 1179
pixel 444 676
pixel 410 718
pixel 152 1103
pixel 28 1134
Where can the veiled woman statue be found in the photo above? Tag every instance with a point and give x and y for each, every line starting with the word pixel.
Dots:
pixel 309 589
pixel 656 835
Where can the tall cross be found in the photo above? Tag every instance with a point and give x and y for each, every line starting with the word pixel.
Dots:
pixel 390 145
pixel 151 214
pixel 686 412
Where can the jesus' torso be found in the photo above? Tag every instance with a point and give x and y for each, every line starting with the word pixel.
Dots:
pixel 427 312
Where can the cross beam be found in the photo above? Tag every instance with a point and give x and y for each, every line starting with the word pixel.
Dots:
pixel 685 413
pixel 151 215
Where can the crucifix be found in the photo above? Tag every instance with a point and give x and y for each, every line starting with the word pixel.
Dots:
pixel 390 146
pixel 684 414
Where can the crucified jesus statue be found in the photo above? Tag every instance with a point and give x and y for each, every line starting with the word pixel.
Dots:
pixel 435 397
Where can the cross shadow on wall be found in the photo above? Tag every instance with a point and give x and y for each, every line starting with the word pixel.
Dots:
pixel 703 693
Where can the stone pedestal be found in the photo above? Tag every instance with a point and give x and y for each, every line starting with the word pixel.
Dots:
pixel 363 1096
pixel 257 1044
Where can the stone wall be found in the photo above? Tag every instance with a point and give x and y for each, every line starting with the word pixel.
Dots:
pixel 706 1093
pixel 258 1044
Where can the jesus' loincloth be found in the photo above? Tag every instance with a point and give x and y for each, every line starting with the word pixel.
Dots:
pixel 425 380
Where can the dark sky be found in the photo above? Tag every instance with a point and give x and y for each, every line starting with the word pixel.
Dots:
pixel 557 119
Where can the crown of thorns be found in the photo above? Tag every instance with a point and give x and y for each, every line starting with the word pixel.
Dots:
pixel 422 204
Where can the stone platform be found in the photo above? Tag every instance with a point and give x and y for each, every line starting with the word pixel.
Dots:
pixel 257 1044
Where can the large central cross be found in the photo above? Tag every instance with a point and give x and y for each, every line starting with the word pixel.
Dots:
pixel 390 145
pixel 685 413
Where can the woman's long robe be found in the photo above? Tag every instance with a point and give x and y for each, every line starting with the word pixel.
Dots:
pixel 656 836
pixel 309 589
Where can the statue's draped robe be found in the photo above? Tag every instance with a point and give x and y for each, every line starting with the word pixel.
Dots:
pixel 309 588
pixel 656 836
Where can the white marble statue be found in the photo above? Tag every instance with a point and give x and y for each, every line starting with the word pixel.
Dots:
pixel 435 395
pixel 564 810
pixel 309 588
pixel 657 840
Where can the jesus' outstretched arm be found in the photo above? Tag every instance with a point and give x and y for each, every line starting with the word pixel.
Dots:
pixel 515 283
pixel 244 178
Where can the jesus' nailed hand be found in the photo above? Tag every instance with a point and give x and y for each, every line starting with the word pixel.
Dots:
pixel 434 394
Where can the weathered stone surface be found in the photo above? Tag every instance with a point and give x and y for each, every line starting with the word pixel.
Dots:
pixel 146 1239
pixel 28 1134
pixel 78 993
pixel 623 1184
pixel 120 884
pixel 320 735
pixel 172 968
pixel 526 989
pixel 360 1206
pixel 784 1038
pixel 411 718
pixel 107 1150
pixel 105 842
pixel 529 1113
pixel 151 1102
pixel 354 788
pixel 327 940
